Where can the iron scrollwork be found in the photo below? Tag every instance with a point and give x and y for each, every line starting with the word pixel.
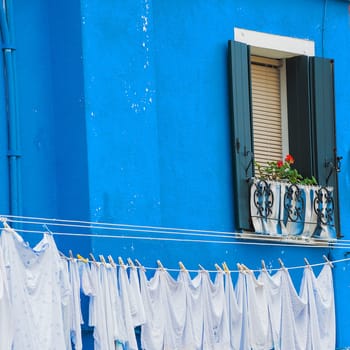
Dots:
pixel 263 198
pixel 324 206
pixel 294 203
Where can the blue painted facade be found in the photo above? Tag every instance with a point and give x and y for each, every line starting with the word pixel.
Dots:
pixel 123 112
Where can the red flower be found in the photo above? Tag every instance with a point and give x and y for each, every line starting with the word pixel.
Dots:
pixel 289 159
pixel 279 164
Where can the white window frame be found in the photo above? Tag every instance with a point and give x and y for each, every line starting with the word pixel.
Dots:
pixel 274 46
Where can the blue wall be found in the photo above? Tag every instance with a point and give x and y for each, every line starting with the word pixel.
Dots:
pixel 124 118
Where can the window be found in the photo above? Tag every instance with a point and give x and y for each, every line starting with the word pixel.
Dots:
pixel 310 116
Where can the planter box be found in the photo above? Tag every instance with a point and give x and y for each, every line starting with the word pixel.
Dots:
pixel 281 208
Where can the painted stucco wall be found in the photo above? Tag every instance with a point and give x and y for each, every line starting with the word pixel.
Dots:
pixel 124 118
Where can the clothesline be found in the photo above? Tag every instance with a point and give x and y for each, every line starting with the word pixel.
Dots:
pixel 333 262
pixel 128 228
pixel 5 219
pixel 277 241
pixel 121 226
pixel 182 240
pixel 106 226
pixel 154 229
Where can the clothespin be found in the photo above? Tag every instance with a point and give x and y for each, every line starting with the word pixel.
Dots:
pixel 263 265
pixel 182 266
pixel 139 265
pixel 93 259
pixel 281 263
pixel 4 222
pixel 81 258
pixel 218 268
pixel 307 263
pixel 245 268
pixel 226 269
pixel 111 261
pixel 121 263
pixel 71 257
pixel 160 265
pixel 131 264
pixel 202 268
pixel 103 261
pixel 240 268
pixel 328 261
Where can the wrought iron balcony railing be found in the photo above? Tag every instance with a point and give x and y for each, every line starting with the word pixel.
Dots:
pixel 281 208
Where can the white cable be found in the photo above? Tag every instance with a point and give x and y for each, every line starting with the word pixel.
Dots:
pixel 177 239
pixel 270 270
pixel 56 222
pixel 119 227
pixel 183 240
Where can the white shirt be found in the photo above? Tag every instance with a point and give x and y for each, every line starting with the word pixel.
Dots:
pixel 294 315
pixel 124 288
pixel 272 286
pixel 215 325
pixel 77 318
pixel 173 296
pixel 6 320
pixel 164 300
pixel 94 285
pixel 193 331
pixel 234 314
pixel 243 341
pixel 115 304
pixel 137 308
pixel 108 300
pixel 319 294
pixel 260 333
pixel 37 293
pixel 67 305
pixel 152 331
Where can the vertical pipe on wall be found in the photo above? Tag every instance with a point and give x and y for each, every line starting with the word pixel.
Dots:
pixel 12 117
pixel 323 28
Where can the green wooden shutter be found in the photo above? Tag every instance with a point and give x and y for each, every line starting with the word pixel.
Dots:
pixel 239 77
pixel 323 113
pixel 311 120
pixel 324 116
pixel 299 114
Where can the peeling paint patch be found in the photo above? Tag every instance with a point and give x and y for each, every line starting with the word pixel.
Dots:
pixel 139 101
pixel 145 23
pixel 139 98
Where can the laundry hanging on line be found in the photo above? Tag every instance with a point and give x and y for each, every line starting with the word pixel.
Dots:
pixel 42 298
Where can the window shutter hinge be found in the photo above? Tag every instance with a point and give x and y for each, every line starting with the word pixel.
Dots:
pixel 338 164
pixel 249 165
pixel 238 145
pixel 334 166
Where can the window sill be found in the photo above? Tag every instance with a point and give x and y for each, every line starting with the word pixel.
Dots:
pixel 275 239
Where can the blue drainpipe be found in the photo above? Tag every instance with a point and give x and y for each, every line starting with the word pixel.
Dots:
pixel 11 110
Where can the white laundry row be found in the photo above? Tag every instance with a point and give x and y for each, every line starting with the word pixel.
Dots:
pixel 263 313
pixel 40 306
